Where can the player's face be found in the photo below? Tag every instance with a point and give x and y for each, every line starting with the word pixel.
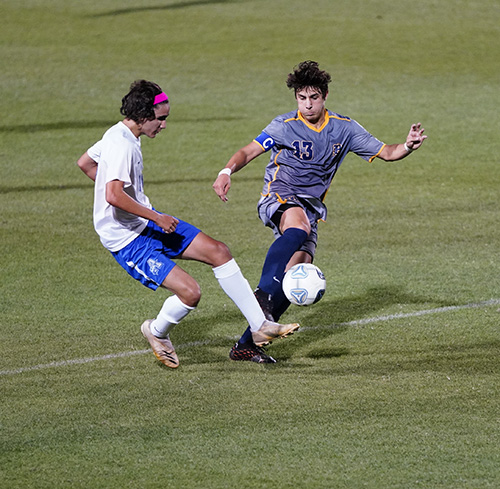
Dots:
pixel 153 127
pixel 311 104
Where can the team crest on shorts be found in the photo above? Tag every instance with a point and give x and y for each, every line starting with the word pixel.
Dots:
pixel 154 266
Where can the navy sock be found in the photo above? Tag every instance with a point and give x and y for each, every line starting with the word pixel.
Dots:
pixel 280 305
pixel 247 336
pixel 277 258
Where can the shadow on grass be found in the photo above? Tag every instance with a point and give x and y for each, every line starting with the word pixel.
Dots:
pixel 326 318
pixel 207 182
pixel 56 126
pixel 98 124
pixel 333 317
pixel 153 8
pixel 43 188
pixel 348 309
pixel 445 359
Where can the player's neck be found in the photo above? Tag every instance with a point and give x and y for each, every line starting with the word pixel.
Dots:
pixel 319 123
pixel 133 126
pixel 316 123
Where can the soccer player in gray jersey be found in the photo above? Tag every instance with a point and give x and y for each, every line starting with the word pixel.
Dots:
pixel 306 149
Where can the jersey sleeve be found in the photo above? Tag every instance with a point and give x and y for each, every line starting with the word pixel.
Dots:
pixel 95 152
pixel 273 134
pixel 364 144
pixel 113 161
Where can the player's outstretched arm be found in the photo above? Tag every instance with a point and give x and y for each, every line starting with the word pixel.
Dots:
pixel 241 158
pixel 415 139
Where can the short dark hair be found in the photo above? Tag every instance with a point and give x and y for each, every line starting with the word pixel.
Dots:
pixel 308 74
pixel 139 101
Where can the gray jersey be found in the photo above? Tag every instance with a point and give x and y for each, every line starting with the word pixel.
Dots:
pixel 304 159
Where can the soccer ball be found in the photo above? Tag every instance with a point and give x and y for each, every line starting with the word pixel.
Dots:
pixel 304 284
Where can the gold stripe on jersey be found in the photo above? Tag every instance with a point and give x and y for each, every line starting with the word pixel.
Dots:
pixel 373 157
pixel 274 176
pixel 280 199
pixel 327 119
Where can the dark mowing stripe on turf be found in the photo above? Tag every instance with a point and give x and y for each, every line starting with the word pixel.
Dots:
pixel 358 322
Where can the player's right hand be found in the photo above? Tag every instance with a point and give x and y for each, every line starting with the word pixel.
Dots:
pixel 167 223
pixel 221 186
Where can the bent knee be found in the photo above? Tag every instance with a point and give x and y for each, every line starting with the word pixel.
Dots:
pixel 191 295
pixel 188 291
pixel 220 253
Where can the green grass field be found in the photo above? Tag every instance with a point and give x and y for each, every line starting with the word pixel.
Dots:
pixel 394 379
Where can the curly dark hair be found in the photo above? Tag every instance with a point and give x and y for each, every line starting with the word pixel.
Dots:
pixel 308 74
pixel 137 105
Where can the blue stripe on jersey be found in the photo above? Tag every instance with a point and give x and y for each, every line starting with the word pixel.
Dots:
pixel 265 141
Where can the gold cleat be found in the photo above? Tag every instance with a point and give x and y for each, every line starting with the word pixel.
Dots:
pixel 269 331
pixel 162 347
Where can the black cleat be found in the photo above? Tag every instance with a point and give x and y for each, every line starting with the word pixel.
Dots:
pixel 250 352
pixel 265 302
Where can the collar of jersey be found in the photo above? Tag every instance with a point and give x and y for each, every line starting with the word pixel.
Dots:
pixel 310 126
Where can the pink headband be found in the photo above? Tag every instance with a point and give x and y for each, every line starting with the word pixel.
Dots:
pixel 161 97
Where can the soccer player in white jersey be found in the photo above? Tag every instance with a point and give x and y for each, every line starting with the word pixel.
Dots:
pixel 144 241
pixel 306 149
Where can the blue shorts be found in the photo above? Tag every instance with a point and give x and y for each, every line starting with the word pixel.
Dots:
pixel 148 257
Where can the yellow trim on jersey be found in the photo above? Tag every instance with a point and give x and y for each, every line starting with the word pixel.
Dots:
pixel 280 199
pixel 255 141
pixel 274 176
pixel 339 118
pixel 373 157
pixel 327 119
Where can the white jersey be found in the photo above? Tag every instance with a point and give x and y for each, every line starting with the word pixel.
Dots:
pixel 119 157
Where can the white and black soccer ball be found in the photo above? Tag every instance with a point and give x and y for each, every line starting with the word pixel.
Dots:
pixel 304 284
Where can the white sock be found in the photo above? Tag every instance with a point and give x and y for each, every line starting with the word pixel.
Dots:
pixel 236 286
pixel 172 311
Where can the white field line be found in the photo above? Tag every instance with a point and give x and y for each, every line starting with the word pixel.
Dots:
pixel 358 322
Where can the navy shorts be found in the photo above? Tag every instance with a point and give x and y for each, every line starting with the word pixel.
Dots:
pixel 148 258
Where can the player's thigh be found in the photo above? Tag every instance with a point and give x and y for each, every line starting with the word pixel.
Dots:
pixel 207 250
pixel 295 217
pixel 183 286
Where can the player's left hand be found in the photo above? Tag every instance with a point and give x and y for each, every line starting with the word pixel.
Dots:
pixel 416 136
